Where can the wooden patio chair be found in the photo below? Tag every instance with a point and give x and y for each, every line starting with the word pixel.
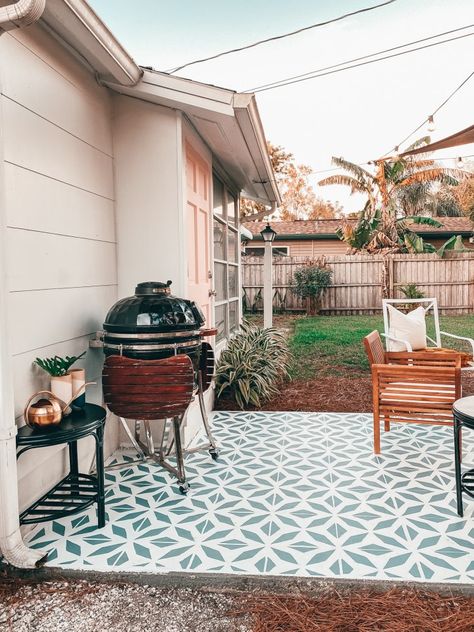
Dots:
pixel 418 387
pixel 149 390
pixel 429 305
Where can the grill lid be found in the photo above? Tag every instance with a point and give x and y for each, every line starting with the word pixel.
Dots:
pixel 153 309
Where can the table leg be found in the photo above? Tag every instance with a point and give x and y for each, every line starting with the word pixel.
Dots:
pixel 99 466
pixel 73 467
pixel 457 465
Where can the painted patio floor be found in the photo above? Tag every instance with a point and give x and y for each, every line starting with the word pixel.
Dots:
pixel 291 494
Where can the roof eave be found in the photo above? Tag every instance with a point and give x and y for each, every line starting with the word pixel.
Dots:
pixel 75 24
pixel 227 121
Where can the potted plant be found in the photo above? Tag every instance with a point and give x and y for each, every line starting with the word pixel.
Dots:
pixel 61 380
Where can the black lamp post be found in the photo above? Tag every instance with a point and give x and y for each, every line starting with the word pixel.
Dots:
pixel 268 235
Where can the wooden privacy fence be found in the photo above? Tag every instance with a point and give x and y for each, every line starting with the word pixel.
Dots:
pixel 358 282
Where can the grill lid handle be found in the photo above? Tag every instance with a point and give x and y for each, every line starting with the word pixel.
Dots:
pixel 150 288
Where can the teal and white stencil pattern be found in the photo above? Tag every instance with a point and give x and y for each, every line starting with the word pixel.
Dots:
pixel 292 494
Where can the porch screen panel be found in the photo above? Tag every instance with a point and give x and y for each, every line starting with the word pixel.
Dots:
pixel 226 259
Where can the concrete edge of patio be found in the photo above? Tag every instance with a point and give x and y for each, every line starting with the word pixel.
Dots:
pixel 228 583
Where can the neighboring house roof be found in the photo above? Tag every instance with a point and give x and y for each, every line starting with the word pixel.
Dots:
pixel 228 121
pixel 326 228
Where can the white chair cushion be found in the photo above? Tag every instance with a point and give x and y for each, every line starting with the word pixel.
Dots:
pixel 410 327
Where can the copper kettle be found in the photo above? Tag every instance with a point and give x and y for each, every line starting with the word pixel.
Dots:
pixel 44 411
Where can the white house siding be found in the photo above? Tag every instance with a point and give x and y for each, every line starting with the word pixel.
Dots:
pixel 149 195
pixel 149 150
pixel 58 196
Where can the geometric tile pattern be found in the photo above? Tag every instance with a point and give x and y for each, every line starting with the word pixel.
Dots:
pixel 291 494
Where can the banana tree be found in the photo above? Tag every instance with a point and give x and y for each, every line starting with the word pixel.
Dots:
pixel 396 191
pixel 366 235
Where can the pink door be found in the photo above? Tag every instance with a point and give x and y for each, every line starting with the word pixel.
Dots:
pixel 198 177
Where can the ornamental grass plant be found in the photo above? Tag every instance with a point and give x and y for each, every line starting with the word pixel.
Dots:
pixel 253 364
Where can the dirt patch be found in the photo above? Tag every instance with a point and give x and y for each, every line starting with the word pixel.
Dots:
pixel 327 394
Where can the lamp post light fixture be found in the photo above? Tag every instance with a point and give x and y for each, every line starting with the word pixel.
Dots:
pixel 268 235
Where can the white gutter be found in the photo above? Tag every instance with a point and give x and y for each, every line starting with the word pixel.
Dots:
pixel 76 25
pixel 12 547
pixel 245 234
pixel 21 13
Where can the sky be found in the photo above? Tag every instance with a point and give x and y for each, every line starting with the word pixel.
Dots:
pixel 360 114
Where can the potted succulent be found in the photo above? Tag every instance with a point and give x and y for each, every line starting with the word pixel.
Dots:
pixel 61 380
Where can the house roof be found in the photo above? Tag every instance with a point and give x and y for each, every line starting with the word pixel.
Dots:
pixel 229 122
pixel 326 228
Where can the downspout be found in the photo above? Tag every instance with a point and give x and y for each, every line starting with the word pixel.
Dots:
pixel 12 547
pixel 21 13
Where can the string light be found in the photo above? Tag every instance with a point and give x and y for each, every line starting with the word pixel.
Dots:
pixel 431 125
pixel 460 163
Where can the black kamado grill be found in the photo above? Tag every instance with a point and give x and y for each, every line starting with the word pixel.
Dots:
pixel 151 325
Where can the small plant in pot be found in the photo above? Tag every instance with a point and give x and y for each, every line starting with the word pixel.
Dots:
pixel 61 380
pixel 310 282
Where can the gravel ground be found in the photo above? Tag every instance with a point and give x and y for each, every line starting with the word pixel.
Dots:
pixel 82 606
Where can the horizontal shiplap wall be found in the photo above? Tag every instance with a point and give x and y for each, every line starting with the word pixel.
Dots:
pixel 357 282
pixel 59 201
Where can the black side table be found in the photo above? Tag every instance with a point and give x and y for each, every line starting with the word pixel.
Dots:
pixel 463 411
pixel 76 491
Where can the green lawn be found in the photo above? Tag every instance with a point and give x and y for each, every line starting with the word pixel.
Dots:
pixel 332 345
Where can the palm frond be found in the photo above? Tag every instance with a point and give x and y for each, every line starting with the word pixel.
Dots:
pixel 422 219
pixel 424 140
pixel 437 174
pixel 453 243
pixel 356 170
pixel 354 184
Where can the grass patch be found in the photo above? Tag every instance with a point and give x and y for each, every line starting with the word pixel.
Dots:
pixel 332 345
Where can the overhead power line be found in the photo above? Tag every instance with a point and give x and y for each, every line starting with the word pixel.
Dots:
pixel 322 72
pixel 430 117
pixel 356 59
pixel 278 37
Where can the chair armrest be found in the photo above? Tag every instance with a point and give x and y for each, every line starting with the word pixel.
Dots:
pixel 403 342
pixel 469 340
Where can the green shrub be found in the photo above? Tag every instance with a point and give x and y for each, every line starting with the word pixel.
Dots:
pixel 411 291
pixel 311 280
pixel 254 362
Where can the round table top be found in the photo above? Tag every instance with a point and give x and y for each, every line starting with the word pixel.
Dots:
pixel 75 426
pixel 464 409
